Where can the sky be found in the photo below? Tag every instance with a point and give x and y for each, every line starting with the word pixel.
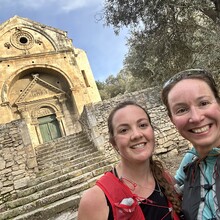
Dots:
pixel 81 20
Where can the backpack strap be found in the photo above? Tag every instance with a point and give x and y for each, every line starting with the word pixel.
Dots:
pixel 218 181
pixel 191 191
pixel 116 191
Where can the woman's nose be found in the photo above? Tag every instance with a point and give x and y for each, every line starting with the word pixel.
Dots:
pixel 195 115
pixel 136 133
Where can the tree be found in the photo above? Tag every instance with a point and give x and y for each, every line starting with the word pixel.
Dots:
pixel 112 86
pixel 167 36
pixel 123 83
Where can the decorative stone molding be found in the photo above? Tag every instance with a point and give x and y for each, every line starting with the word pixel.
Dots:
pixel 43 112
pixel 8 45
pixel 22 40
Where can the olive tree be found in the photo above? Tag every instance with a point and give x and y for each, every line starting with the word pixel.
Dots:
pixel 167 36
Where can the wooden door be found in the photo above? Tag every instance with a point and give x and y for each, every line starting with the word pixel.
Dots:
pixel 49 128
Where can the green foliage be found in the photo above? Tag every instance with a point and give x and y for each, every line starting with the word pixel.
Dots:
pixel 112 86
pixel 123 83
pixel 166 36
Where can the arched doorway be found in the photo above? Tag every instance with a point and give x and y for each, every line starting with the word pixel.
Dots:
pixel 49 128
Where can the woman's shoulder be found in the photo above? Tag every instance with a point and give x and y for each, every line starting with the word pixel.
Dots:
pixel 92 197
pixel 190 156
pixel 93 205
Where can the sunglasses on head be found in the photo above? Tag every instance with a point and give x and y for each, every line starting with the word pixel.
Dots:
pixel 189 74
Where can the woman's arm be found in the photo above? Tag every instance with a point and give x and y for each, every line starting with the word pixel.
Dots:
pixel 93 205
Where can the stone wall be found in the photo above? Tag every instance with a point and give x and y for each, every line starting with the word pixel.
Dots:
pixel 169 142
pixel 17 158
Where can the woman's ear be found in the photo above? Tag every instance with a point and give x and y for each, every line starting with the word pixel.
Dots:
pixel 171 118
pixel 112 142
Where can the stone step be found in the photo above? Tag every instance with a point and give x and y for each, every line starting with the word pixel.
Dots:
pixel 66 215
pixel 49 188
pixel 68 166
pixel 62 159
pixel 45 212
pixel 41 206
pixel 65 150
pixel 72 161
pixel 43 201
pixel 57 148
pixel 62 143
pixel 46 181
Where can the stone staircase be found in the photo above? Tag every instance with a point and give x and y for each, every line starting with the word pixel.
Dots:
pixel 67 167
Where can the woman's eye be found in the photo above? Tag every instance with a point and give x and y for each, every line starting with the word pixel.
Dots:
pixel 204 103
pixel 123 130
pixel 143 125
pixel 180 111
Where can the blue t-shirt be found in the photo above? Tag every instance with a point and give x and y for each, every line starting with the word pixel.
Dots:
pixel 207 210
pixel 188 158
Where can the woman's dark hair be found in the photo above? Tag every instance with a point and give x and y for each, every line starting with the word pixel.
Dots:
pixel 188 74
pixel 156 166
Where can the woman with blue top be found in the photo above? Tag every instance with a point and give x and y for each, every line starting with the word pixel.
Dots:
pixel 193 105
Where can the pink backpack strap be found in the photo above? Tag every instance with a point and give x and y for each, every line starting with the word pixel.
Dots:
pixel 116 191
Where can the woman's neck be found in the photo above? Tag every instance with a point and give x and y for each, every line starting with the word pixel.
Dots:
pixel 203 152
pixel 139 179
pixel 139 174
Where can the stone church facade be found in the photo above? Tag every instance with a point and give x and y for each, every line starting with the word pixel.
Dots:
pixel 44 79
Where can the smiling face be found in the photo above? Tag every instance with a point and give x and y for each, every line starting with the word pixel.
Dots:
pixel 196 113
pixel 133 134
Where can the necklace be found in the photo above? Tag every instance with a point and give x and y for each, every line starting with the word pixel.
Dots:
pixel 159 205
pixel 132 185
pixel 156 190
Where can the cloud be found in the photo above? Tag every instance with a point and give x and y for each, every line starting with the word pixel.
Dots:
pixel 70 5
pixel 60 5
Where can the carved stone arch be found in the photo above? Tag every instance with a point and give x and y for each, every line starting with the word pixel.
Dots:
pixel 43 111
pixel 4 93
pixel 35 87
pixel 40 31
pixel 18 74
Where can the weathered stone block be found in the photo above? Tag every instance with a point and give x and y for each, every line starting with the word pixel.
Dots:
pixel 9 163
pixel 31 163
pixel 18 172
pixel 8 183
pixel 5 171
pixel 21 183
pixel 5 190
pixel 2 163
